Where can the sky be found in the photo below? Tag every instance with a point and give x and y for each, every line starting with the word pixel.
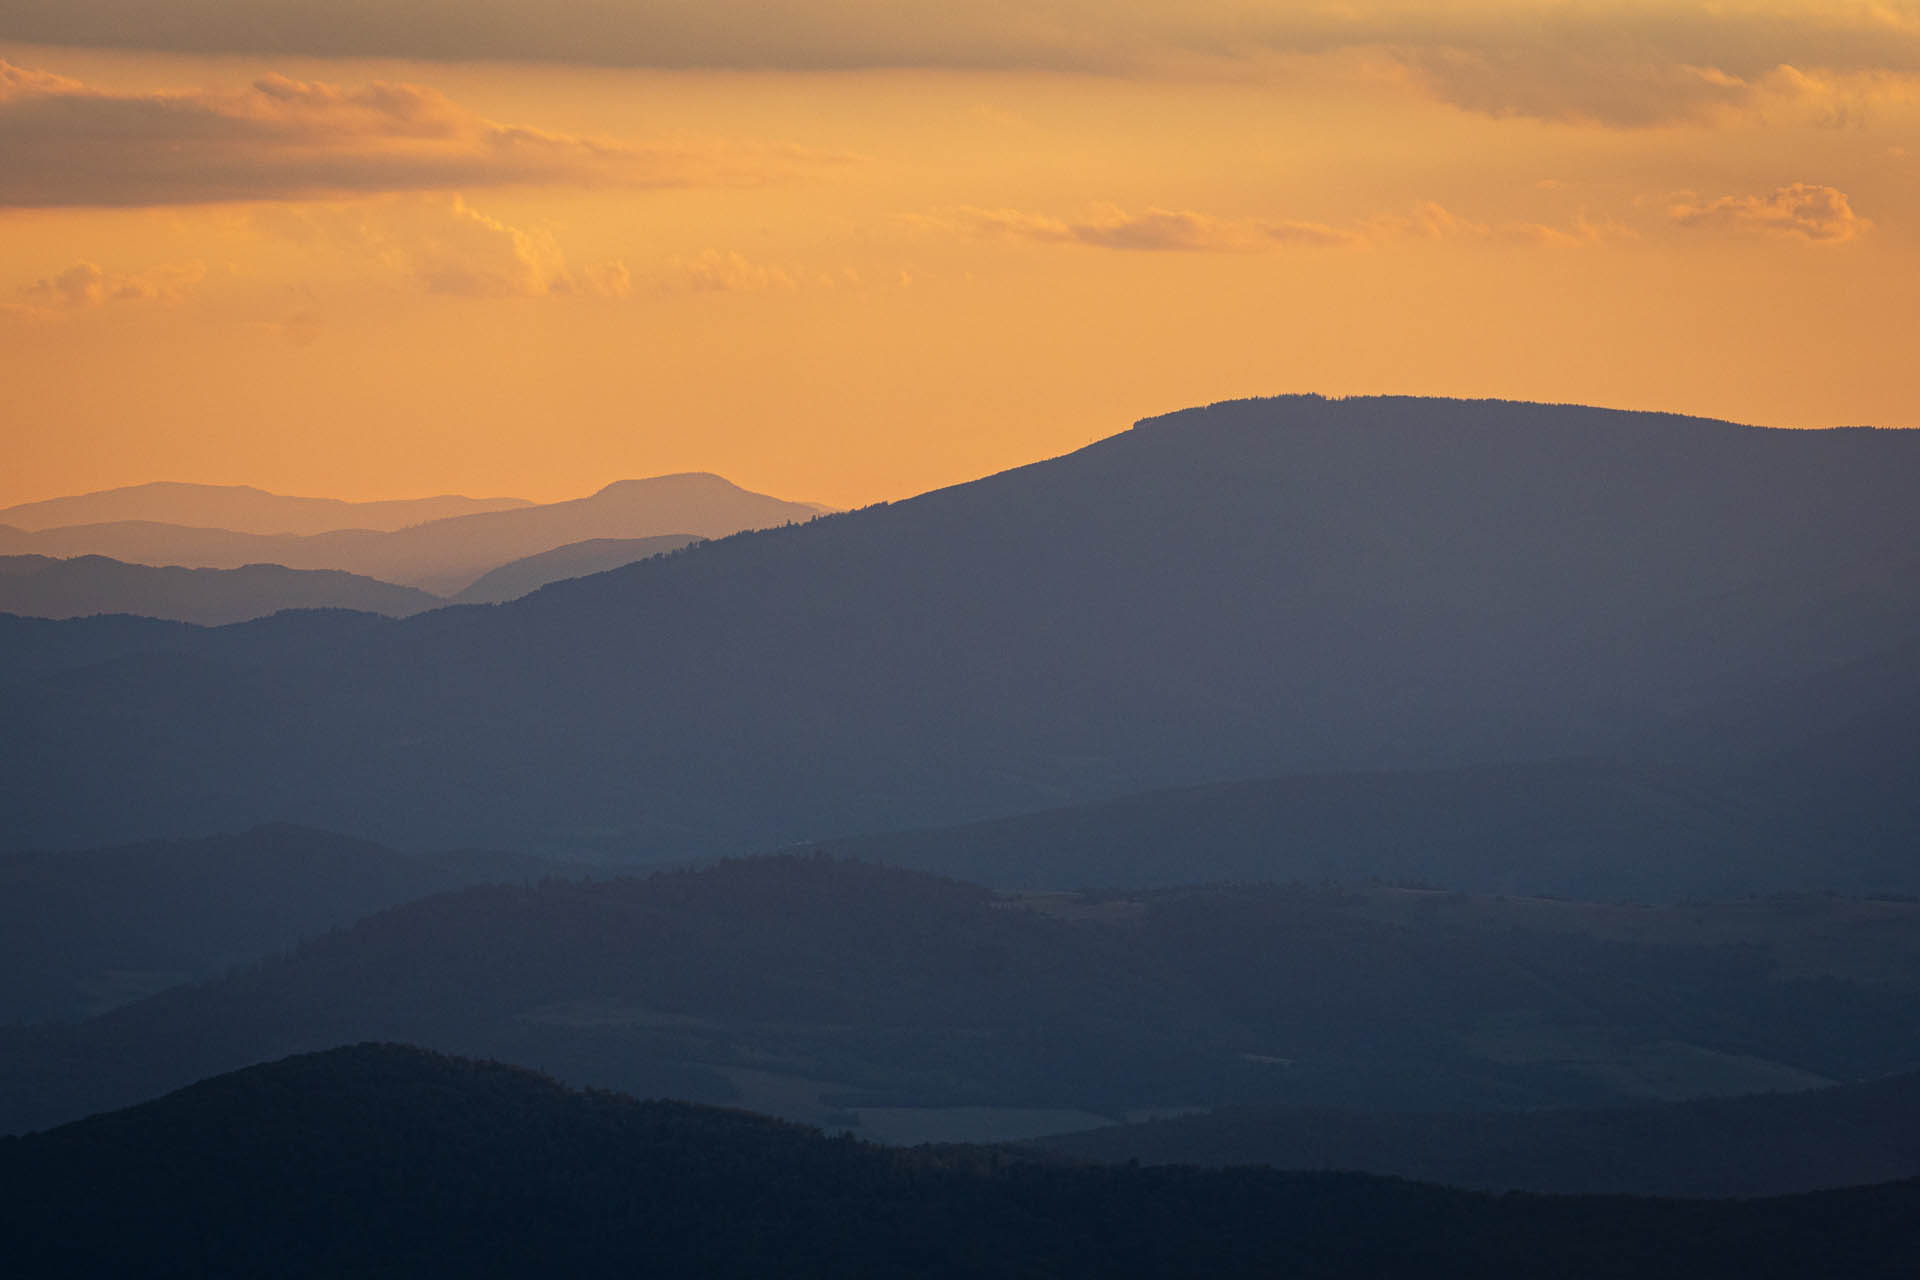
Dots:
pixel 849 250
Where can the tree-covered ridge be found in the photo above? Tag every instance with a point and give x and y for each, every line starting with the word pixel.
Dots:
pixel 385 1160
pixel 870 987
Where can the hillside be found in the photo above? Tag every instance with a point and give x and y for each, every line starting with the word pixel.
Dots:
pixel 1260 589
pixel 888 1001
pixel 241 509
pixel 386 1160
pixel 1774 1144
pixel 575 560
pixel 81 932
pixel 39 587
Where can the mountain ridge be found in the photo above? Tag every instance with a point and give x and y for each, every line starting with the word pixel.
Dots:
pixel 239 508
pixel 444 555
pixel 81 586
pixel 1288 587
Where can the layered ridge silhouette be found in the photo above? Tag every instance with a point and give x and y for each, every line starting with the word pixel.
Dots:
pixel 442 556
pixel 240 509
pixel 1254 589
pixel 826 990
pixel 41 587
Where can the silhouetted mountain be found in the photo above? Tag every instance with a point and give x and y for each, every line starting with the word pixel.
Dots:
pixel 1772 1144
pixel 575 560
pixel 83 932
pixel 442 556
pixel 240 508
pixel 828 990
pixel 386 1160
pixel 40 587
pixel 1251 590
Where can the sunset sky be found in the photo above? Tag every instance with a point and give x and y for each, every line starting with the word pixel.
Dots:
pixel 848 250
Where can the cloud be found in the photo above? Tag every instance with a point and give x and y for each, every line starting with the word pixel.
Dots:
pixel 63 143
pixel 1801 209
pixel 1184 231
pixel 1154 230
pixel 713 271
pixel 1622 63
pixel 445 246
pixel 86 284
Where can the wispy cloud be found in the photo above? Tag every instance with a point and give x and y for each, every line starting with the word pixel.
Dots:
pixel 1799 209
pixel 1186 231
pixel 63 143
pixel 446 246
pixel 87 284
pixel 1153 230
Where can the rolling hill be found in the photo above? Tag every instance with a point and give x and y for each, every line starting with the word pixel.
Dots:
pixel 897 1003
pixel 39 587
pixel 82 932
pixel 1258 589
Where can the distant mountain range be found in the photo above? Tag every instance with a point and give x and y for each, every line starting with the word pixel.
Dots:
pixel 1275 589
pixel 575 560
pixel 893 1002
pixel 240 509
pixel 86 586
pixel 383 1160
pixel 83 932
pixel 442 556
pixel 42 587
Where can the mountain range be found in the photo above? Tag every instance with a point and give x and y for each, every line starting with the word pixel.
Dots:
pixel 444 555
pixel 1285 589
pixel 85 586
pixel 240 509
pixel 42 587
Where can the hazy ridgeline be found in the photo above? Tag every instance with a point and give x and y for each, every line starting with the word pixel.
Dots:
pixel 443 555
pixel 240 509
pixel 1292 587
pixel 86 586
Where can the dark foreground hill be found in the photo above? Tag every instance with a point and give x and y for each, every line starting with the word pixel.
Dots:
pixel 1252 590
pixel 1772 1144
pixel 41 587
pixel 81 932
pixel 386 1160
pixel 884 1001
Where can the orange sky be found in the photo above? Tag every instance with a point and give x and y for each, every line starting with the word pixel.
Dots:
pixel 842 250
